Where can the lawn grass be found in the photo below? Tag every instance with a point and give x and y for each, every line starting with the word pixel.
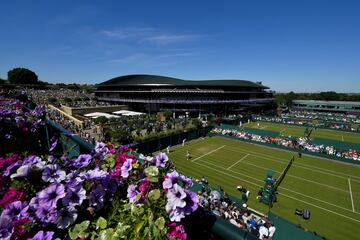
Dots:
pixel 320 185
pixel 298 131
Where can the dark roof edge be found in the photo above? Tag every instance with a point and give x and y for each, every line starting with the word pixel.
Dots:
pixel 169 81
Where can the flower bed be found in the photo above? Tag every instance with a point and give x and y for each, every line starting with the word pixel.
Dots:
pixel 108 194
pixel 20 126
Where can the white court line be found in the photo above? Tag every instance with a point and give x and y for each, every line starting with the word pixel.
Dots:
pixel 308 167
pixel 207 153
pixel 287 189
pixel 303 179
pixel 225 173
pixel 282 130
pixel 351 196
pixel 238 161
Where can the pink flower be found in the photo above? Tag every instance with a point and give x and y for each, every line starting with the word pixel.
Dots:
pixel 111 149
pixel 144 186
pixel 5 162
pixel 19 230
pixel 10 196
pixel 176 231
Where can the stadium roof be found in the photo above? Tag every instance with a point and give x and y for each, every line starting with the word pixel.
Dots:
pixel 154 80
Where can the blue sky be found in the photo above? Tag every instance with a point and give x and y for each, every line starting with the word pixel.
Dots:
pixel 288 45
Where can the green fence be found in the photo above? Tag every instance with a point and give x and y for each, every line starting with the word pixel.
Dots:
pixel 261 132
pixel 73 145
pixel 172 140
pixel 285 229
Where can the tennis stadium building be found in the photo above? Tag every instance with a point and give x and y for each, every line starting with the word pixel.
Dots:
pixel 151 93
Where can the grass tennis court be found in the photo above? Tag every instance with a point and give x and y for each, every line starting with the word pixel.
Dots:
pixel 298 131
pixel 329 189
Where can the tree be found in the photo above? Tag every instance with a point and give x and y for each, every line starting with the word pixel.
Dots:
pixel 329 96
pixel 100 120
pixel 167 114
pixel 52 100
pixel 120 136
pixel 197 123
pixel 2 81
pixel 22 76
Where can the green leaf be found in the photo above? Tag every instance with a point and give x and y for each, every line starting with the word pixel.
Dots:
pixel 120 231
pixel 153 179
pixel 151 171
pixel 154 194
pixel 139 226
pixel 160 223
pixel 101 223
pixel 138 196
pixel 79 230
pixel 106 234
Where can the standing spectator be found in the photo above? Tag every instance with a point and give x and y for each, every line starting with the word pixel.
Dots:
pixel 272 230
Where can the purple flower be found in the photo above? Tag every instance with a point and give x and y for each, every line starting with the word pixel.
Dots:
pixel 6 228
pixel 34 202
pixel 175 214
pixel 82 161
pixel 51 159
pixel 8 136
pixel 110 184
pixel 147 158
pixel 176 197
pixel 22 171
pixel 9 168
pixel 50 195
pixel 43 236
pixel 53 145
pixel 97 196
pixel 15 210
pixel 46 215
pixel 126 167
pixel 170 179
pixel 74 196
pixel 101 149
pixel 174 177
pixel 69 134
pixel 180 202
pixel 32 160
pixel 131 193
pixel 191 202
pixel 53 173
pixel 187 181
pixel 73 179
pixel 65 158
pixel 66 217
pixel 161 160
pixel 94 174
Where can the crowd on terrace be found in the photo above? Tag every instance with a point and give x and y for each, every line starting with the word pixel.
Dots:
pixel 296 143
pixel 332 121
pixel 222 206
pixel 331 117
pixel 70 125
pixel 63 96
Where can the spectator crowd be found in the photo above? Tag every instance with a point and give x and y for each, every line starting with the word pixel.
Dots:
pixel 88 131
pixel 240 216
pixel 296 143
pixel 337 122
